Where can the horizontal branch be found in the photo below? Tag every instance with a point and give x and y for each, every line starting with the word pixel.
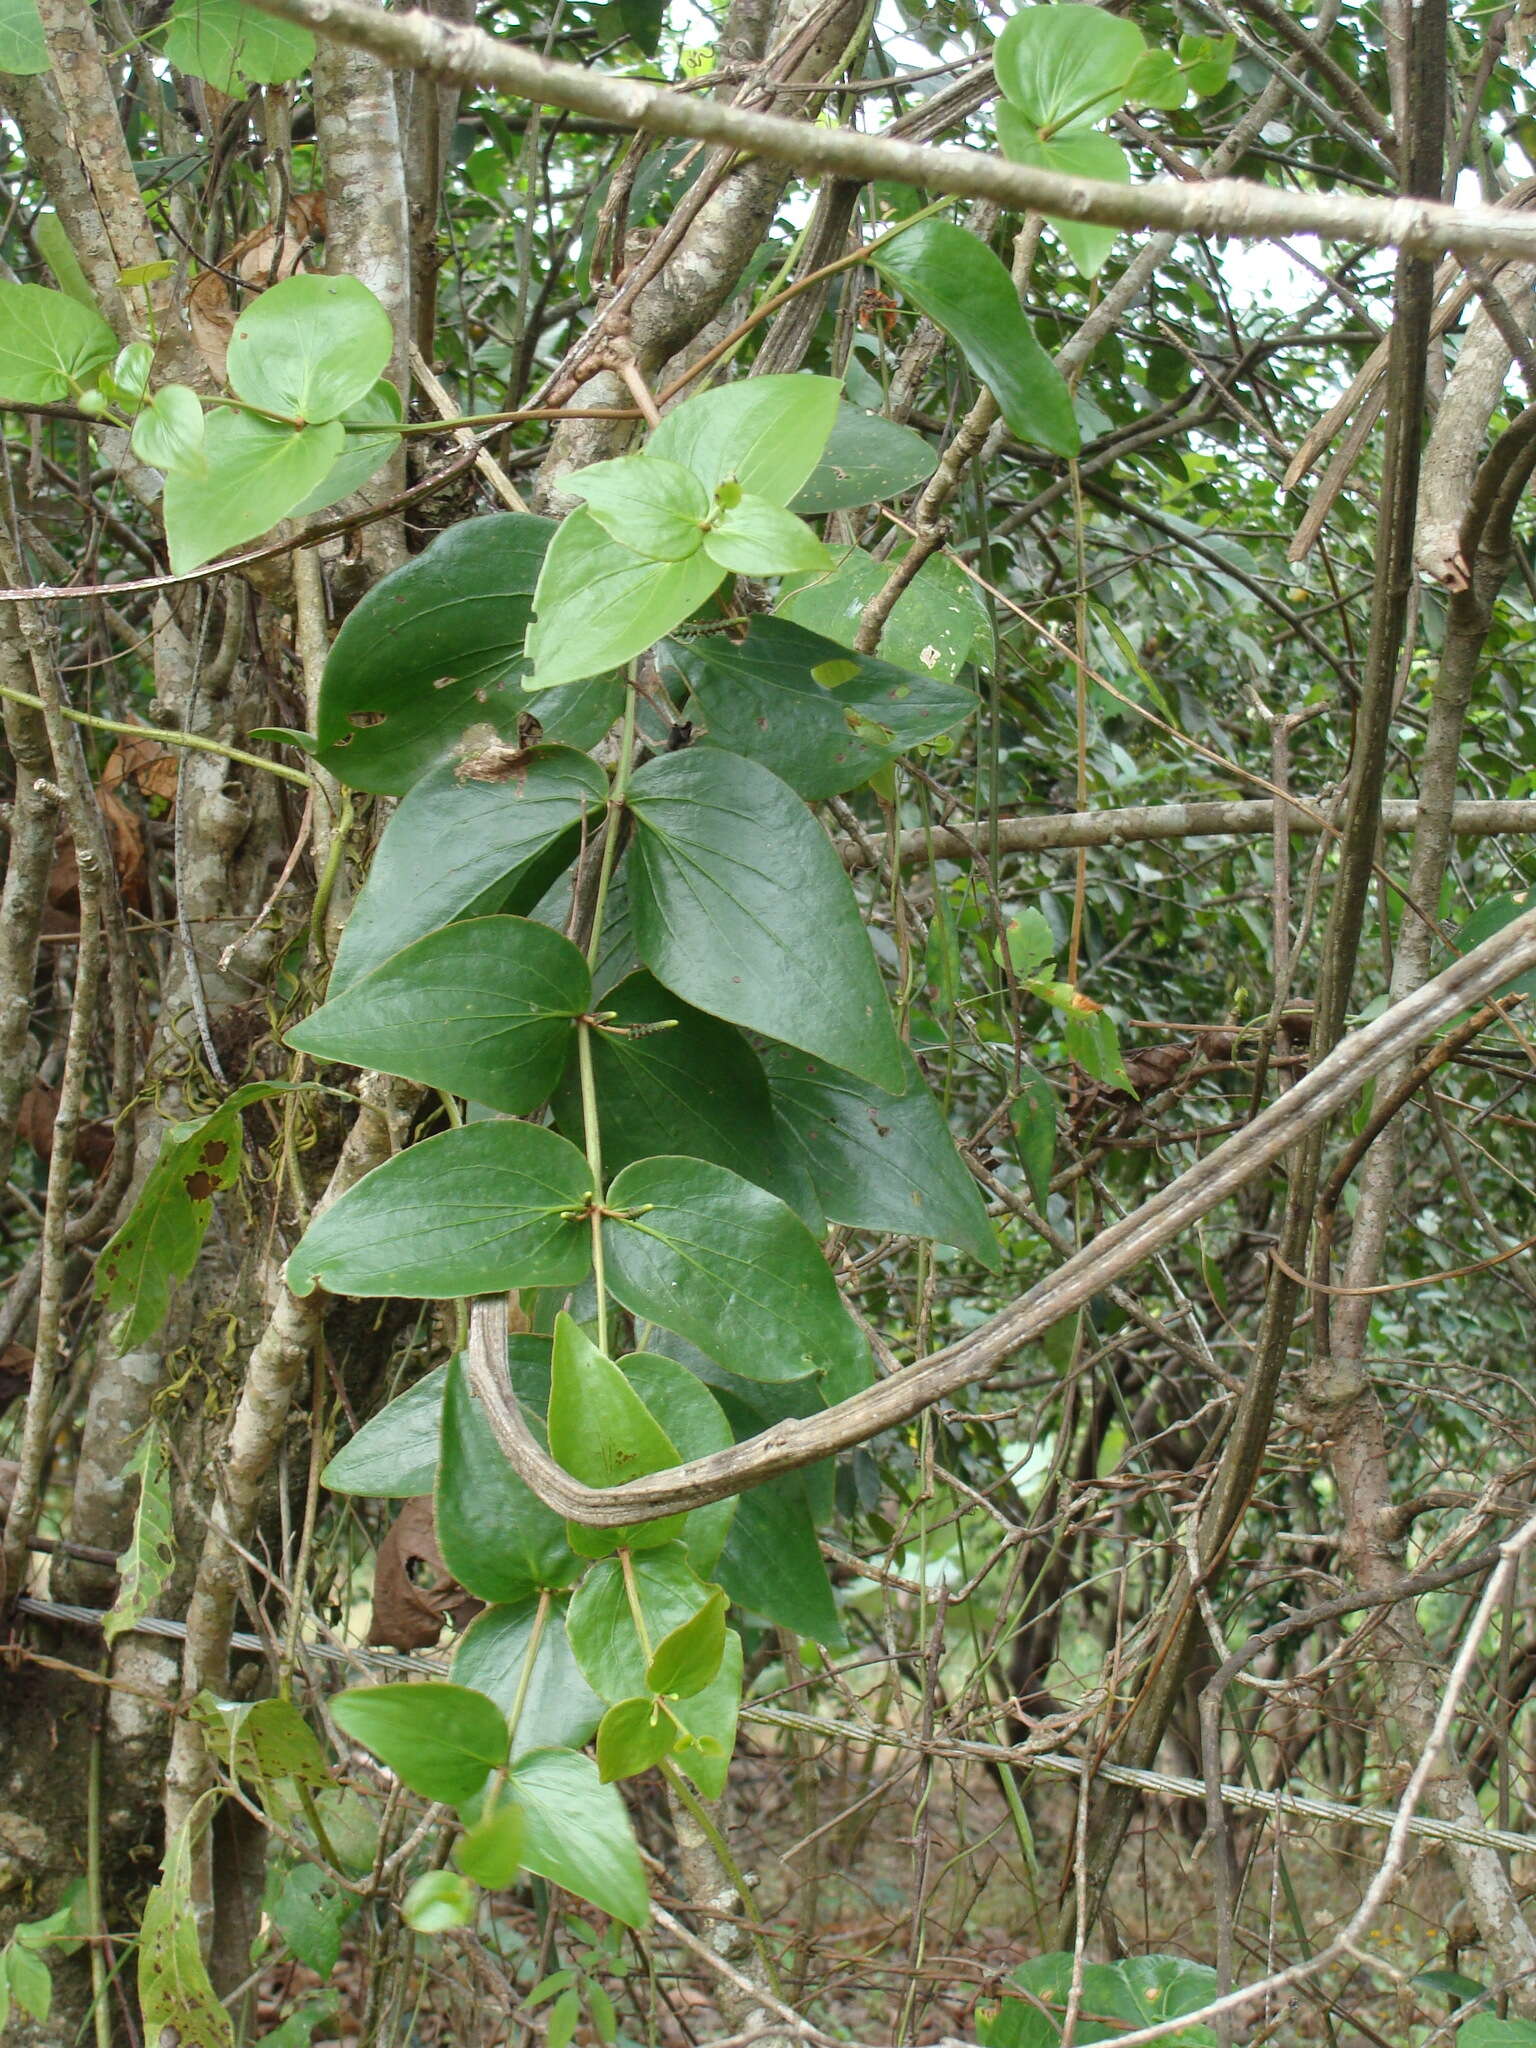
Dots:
pixel 1141 822
pixel 1113 1254
pixel 1218 207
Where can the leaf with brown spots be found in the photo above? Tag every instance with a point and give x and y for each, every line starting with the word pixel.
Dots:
pixel 159 1242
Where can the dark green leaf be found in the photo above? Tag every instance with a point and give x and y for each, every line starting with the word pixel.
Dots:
pixel 1034 1126
pixel 497 1537
pixel 394 1455
pixel 696 1088
pixel 256 472
pixel 933 627
pixel 963 288
pixel 309 347
pixel 772 1562
pixel 559 1709
pixel 603 1434
pixel 431 653
pixel 599 604
pixel 483 1009
pixel 310 1913
pixel 767 433
pixel 879 1161
pixel 456 848
pixel 642 21
pixel 821 718
pixel 601 1626
pixel 741 906
pixel 688 1657
pixel 1491 917
pixel 577 1834
pixel 443 1741
pixel 490 1206
pixel 867 460
pixel 733 1270
pixel 631 1737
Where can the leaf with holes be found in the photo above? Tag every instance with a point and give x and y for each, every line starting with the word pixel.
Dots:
pixel 473 1211
pixel 484 1009
pixel 822 719
pixel 145 1566
pixel 159 1241
pixel 459 848
pixel 741 906
pixel 933 628
pixel 729 1267
pixel 432 652
pixel 177 2000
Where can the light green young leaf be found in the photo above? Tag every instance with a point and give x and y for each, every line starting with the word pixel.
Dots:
pixel 233 45
pixel 492 1852
pixel 687 1658
pixel 256 473
pixel 371 429
pixel 51 240
pixel 1207 61
pixel 603 1434
pixel 1157 81
pixel 710 1717
pixel 50 345
pixel 766 432
pixel 599 604
pixel 438 1900
pixel 654 507
pixel 1066 65
pixel 484 1009
pixel 576 1833
pixel 128 378
pixel 1075 154
pixel 633 1735
pixel 146 1565
pixel 169 434
pixel 23 46
pixel 177 2001
pixel 755 537
pixel 1091 1038
pixel 601 1622
pixel 958 282
pixel 443 1741
pixel 310 348
pixel 29 1979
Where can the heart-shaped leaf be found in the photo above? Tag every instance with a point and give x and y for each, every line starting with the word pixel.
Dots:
pixel 765 433
pixel 310 347
pixel 474 1211
pixel 1066 65
pixel 656 508
pixel 603 1434
pixel 255 473
pixel 443 1741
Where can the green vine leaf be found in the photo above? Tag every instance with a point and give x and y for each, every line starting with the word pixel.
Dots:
pixel 740 906
pixel 473 1211
pixel 233 45
pixel 601 1623
pixel 754 537
pixel 656 508
pixel 170 434
pixel 603 1434
pixel 176 1997
pixel 728 1266
pixel 497 1537
pixel 867 459
pixel 255 472
pixel 485 1009
pixel 50 345
pixel 394 1455
pixel 310 348
pixel 23 46
pixel 443 1741
pixel 576 1833
pixel 633 1735
pixel 765 433
pixel 372 432
pixel 558 1709
pixel 599 604
pixel 1067 65
pixel 1074 154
